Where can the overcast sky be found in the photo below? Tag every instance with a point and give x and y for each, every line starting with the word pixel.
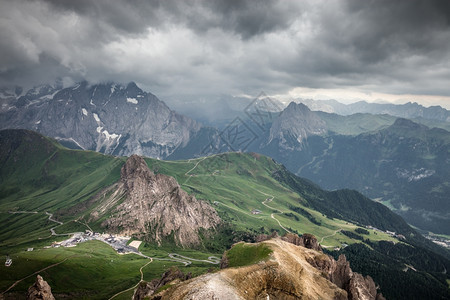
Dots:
pixel 383 49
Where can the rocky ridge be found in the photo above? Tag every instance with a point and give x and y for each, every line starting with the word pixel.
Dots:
pixel 407 110
pixel 108 118
pixel 154 206
pixel 291 272
pixel 40 290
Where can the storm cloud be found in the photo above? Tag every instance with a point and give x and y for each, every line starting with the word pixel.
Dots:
pixel 231 47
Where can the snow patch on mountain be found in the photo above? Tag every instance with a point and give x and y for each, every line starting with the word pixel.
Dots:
pixel 97 119
pixel 112 136
pixel 132 100
pixel 84 111
pixel 415 174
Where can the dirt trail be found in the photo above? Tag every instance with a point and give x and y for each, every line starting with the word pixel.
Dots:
pixel 135 286
pixel 272 214
pixel 327 236
pixel 193 168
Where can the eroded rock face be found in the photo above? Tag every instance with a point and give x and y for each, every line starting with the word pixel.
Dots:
pixel 362 288
pixel 305 240
pixel 155 206
pixel 286 275
pixel 40 290
pixel 338 272
pixel 291 272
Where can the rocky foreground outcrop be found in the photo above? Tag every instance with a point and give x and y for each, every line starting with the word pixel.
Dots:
pixel 305 240
pixel 291 272
pixel 40 290
pixel 154 206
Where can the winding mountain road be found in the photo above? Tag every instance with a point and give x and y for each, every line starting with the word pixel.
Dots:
pixel 193 168
pixel 327 236
pixel 211 259
pixel 272 214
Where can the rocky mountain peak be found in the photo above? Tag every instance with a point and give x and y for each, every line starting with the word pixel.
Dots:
pixel 298 107
pixel 154 207
pixel 135 167
pixel 132 86
pixel 407 124
pixel 40 290
pixel 105 117
pixel 295 123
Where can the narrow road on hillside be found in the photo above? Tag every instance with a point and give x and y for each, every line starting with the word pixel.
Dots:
pixel 193 168
pixel 340 229
pixel 52 230
pixel 50 218
pixel 211 259
pixel 273 208
pixel 135 286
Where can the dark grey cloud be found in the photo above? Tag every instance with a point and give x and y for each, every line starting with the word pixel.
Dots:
pixel 230 46
pixel 244 18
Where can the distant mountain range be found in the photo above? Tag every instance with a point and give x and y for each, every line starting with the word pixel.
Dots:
pixel 401 163
pixel 410 110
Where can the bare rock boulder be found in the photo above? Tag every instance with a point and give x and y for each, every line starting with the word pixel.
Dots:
pixel 40 290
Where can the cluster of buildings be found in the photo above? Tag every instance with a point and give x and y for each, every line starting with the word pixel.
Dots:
pixel 119 243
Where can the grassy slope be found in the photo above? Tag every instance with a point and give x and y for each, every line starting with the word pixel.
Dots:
pixel 243 254
pixel 37 174
pixel 237 183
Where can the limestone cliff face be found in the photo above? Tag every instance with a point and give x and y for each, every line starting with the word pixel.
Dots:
pixel 154 206
pixel 291 272
pixel 40 290
pixel 108 117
